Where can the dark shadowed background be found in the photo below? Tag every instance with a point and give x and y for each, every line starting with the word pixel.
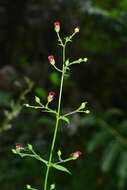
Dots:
pixel 27 38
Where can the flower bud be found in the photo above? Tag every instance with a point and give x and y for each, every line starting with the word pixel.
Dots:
pixel 18 147
pixel 85 59
pixel 28 186
pixel 57 26
pixel 51 59
pixel 77 29
pixel 30 147
pixel 87 111
pixel 80 60
pixel 52 186
pixel 75 155
pixel 51 96
pixel 67 62
pixel 83 105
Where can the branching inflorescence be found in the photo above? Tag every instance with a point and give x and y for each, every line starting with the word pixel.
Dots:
pixel 28 151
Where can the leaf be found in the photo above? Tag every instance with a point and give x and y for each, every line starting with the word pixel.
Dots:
pixel 61 168
pixel 110 155
pixel 5 99
pixel 41 92
pixel 112 112
pixel 98 139
pixel 122 170
pixel 55 78
pixel 65 119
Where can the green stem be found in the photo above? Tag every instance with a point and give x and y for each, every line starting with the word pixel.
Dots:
pixel 70 113
pixel 57 69
pixel 66 160
pixel 57 122
pixel 59 39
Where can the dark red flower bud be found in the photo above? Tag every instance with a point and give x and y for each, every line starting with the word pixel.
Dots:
pixel 75 155
pixel 51 59
pixel 57 26
pixel 18 146
pixel 51 96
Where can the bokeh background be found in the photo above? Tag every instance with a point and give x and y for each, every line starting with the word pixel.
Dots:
pixel 27 38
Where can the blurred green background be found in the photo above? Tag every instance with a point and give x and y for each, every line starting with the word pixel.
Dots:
pixel 27 38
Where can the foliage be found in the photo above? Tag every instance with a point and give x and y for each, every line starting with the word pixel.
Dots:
pixel 112 144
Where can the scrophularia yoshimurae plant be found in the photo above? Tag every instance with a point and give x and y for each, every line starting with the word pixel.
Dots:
pixel 29 151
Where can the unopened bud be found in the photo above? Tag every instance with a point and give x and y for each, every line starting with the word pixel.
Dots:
pixel 75 155
pixel 83 105
pixel 80 59
pixel 85 59
pixel 28 186
pixel 57 26
pixel 30 147
pixel 51 59
pixel 51 96
pixel 67 62
pixel 87 111
pixel 77 29
pixel 18 147
pixel 52 186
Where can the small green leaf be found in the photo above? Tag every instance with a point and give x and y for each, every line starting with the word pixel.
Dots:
pixel 65 119
pixel 41 92
pixel 61 168
pixel 54 78
pixel 37 99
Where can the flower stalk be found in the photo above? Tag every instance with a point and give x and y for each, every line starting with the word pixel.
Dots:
pixel 57 120
pixel 29 151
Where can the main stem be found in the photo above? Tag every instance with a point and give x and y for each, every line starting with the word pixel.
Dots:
pixel 57 122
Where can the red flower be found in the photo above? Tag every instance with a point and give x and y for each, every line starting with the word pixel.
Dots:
pixel 57 26
pixel 51 96
pixel 51 59
pixel 77 29
pixel 75 155
pixel 18 146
